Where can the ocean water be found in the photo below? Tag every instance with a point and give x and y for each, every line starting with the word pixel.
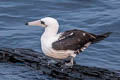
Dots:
pixel 95 16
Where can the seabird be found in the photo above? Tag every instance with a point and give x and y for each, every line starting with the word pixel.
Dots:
pixel 65 44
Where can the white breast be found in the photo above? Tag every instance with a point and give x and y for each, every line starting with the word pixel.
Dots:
pixel 46 44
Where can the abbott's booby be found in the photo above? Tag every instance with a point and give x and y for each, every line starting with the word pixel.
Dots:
pixel 65 44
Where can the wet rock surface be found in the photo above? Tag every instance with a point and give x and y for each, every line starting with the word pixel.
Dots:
pixel 11 71
pixel 37 67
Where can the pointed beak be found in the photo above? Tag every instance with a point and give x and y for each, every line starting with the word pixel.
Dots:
pixel 34 23
pixel 26 23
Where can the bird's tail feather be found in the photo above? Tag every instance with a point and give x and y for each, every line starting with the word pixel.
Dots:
pixel 102 37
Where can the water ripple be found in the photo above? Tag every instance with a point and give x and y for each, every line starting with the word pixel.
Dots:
pixel 94 16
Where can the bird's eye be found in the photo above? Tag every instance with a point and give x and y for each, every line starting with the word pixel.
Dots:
pixel 42 22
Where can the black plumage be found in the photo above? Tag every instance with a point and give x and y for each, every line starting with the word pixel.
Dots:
pixel 76 40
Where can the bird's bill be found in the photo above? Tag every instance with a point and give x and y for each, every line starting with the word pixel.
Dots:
pixel 34 23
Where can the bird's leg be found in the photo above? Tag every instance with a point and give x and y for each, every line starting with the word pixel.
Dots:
pixel 54 61
pixel 71 62
pixel 51 62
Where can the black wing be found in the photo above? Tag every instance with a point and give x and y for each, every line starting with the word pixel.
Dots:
pixel 73 40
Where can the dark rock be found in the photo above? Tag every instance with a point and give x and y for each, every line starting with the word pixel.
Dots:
pixel 38 61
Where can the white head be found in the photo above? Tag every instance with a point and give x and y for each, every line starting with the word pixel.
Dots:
pixel 50 24
pixel 44 22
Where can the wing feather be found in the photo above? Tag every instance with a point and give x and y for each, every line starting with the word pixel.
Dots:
pixel 73 40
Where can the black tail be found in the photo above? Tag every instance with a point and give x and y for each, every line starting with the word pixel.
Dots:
pixel 101 37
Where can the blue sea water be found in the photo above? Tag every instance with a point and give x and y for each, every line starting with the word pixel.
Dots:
pixel 95 16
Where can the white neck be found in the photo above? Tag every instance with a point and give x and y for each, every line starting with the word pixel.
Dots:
pixel 51 31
